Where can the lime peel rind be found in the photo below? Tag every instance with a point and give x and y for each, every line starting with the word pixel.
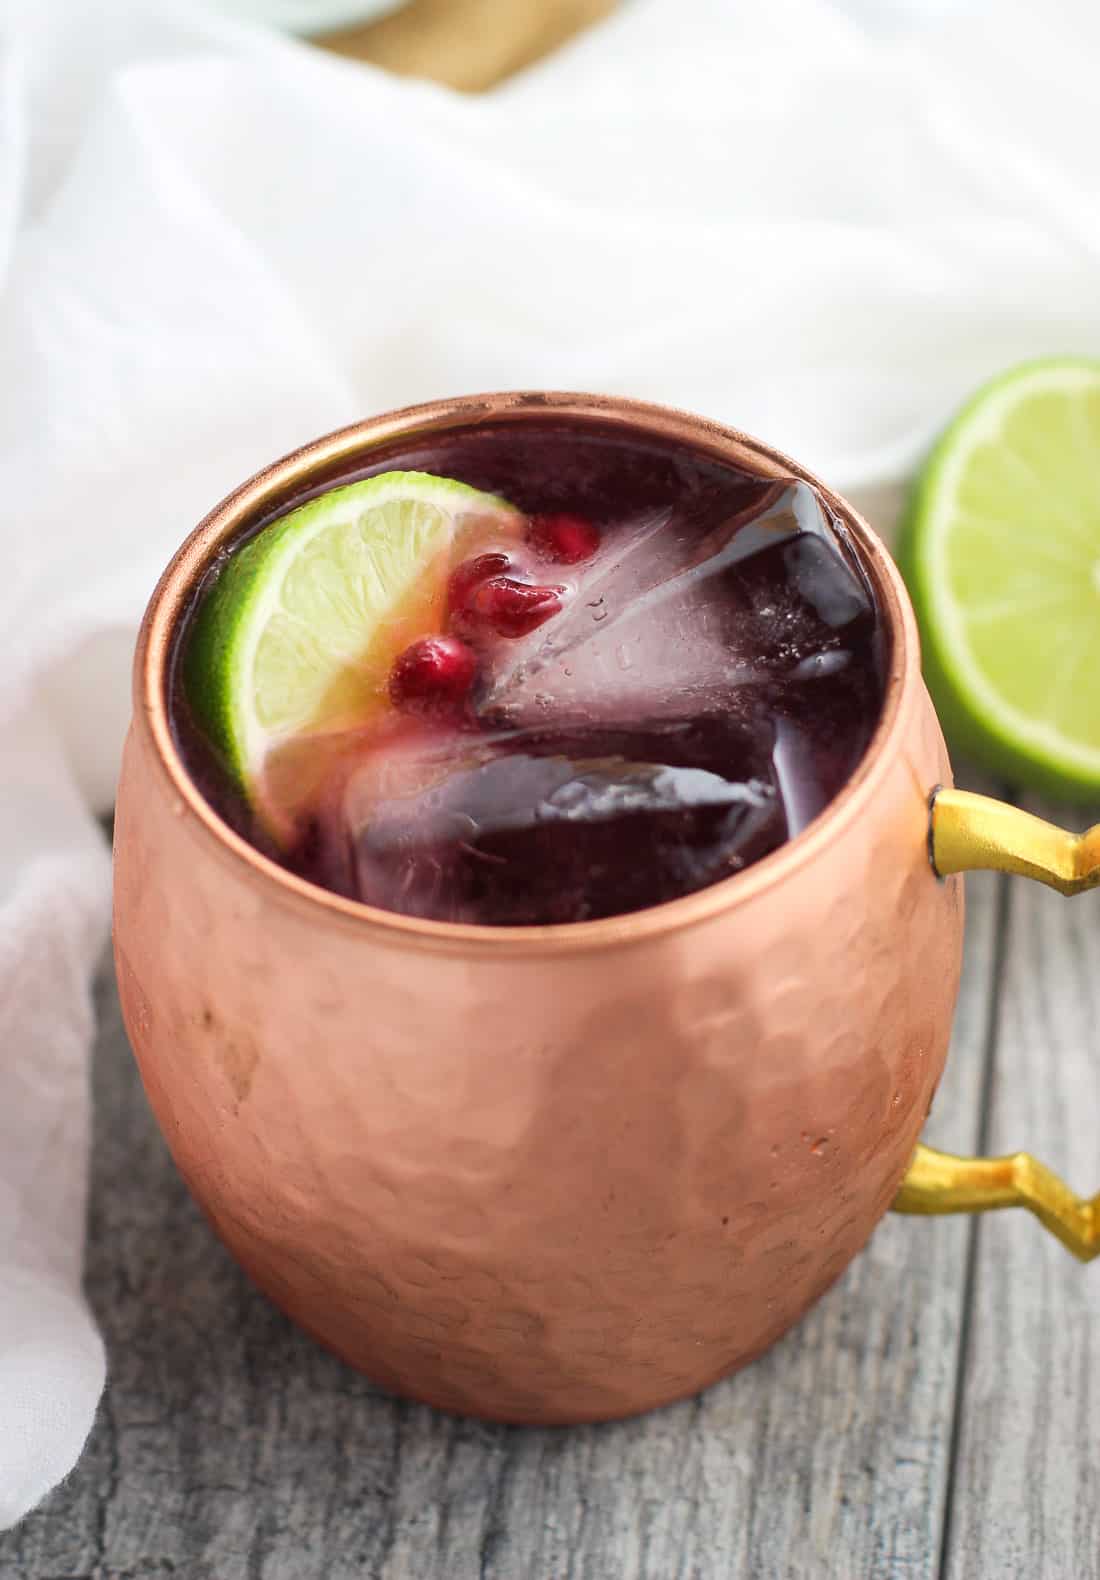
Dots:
pixel 239 611
pixel 975 712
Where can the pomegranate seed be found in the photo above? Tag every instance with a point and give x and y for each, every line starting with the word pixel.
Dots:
pixel 466 576
pixel 432 675
pixel 509 607
pixel 567 539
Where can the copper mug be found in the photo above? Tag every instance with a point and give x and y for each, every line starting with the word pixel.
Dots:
pixel 563 1173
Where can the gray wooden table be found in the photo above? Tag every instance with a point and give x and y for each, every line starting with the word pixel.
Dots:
pixel 937 1414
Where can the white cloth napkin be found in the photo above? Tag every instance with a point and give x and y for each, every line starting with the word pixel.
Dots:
pixel 822 225
pixel 309 16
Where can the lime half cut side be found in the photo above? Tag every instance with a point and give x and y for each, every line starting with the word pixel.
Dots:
pixel 1001 551
pixel 293 645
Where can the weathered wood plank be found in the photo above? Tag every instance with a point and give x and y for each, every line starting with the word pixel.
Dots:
pixel 1026 1490
pixel 231 1448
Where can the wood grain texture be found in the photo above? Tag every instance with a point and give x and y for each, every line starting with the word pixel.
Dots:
pixel 229 1447
pixel 1026 1490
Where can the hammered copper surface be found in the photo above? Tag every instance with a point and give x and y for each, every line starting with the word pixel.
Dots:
pixel 551 1174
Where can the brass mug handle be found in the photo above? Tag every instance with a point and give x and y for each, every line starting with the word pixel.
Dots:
pixel 968 832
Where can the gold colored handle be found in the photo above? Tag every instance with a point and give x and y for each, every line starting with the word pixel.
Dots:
pixel 968 832
pixel 939 1182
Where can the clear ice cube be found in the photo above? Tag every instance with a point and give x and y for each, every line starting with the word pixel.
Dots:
pixel 648 635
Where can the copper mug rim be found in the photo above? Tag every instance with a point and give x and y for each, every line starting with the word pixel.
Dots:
pixel 294 472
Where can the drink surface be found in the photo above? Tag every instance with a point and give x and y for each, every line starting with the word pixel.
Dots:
pixel 665 672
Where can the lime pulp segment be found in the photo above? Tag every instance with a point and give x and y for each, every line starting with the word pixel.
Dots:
pixel 1001 550
pixel 301 626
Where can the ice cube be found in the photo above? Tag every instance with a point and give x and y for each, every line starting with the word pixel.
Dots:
pixel 794 764
pixel 683 618
pixel 554 825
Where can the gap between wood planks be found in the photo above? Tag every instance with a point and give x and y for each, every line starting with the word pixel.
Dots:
pixel 985 1108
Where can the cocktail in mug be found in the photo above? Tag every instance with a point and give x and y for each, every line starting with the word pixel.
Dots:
pixel 622 672
pixel 530 920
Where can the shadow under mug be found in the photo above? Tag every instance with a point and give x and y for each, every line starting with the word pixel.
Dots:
pixel 563 1173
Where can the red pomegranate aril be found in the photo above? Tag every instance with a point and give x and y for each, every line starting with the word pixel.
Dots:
pixel 562 537
pixel 509 607
pixel 466 576
pixel 433 675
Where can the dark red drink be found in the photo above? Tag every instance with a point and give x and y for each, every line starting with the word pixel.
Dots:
pixel 671 672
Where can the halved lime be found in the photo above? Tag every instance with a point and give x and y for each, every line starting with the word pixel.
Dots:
pixel 1001 551
pixel 293 645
